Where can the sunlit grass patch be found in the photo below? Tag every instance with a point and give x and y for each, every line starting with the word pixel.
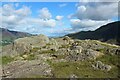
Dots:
pixel 48 51
pixel 7 59
pixel 81 69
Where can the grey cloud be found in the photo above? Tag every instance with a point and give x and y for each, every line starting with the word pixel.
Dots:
pixel 79 25
pixel 97 10
pixel 92 15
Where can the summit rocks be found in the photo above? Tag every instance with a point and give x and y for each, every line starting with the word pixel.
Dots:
pixel 43 56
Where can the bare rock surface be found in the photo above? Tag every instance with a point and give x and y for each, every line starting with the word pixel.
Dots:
pixel 18 69
pixel 101 66
pixel 25 44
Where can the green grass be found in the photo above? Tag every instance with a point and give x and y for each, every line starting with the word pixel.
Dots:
pixel 101 50
pixel 30 57
pixel 80 69
pixel 110 59
pixel 7 42
pixel 106 44
pixel 48 44
pixel 61 56
pixel 0 60
pixel 6 59
pixel 35 49
pixel 48 52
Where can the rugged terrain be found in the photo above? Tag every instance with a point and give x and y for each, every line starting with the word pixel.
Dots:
pixel 109 33
pixel 43 57
pixel 9 36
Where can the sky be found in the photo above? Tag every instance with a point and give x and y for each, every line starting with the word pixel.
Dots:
pixel 57 18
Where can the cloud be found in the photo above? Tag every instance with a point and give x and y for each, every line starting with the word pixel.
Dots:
pixel 90 16
pixel 62 5
pixel 20 18
pixel 79 25
pixel 11 17
pixel 96 11
pixel 17 4
pixel 41 22
pixel 24 11
pixel 50 23
pixel 81 8
pixel 7 9
pixel 59 17
pixel 44 13
pixel 86 17
pixel 70 16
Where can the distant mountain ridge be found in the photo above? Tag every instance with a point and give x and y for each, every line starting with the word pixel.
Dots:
pixel 107 33
pixel 9 36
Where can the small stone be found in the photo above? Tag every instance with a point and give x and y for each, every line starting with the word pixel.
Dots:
pixel 8 72
pixel 73 76
pixel 25 56
pixel 107 67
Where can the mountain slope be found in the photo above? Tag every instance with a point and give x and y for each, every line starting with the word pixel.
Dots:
pixel 9 36
pixel 43 57
pixel 106 33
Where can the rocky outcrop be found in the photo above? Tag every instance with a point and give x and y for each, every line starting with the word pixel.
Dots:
pixel 41 52
pixel 90 44
pixel 23 45
pixel 100 66
pixel 68 40
pixel 78 53
pixel 91 54
pixel 112 51
pixel 8 50
pixel 76 49
pixel 52 45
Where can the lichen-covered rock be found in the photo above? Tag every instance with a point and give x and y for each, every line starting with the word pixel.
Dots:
pixel 68 40
pixel 77 49
pixel 113 51
pixel 23 45
pixel 52 45
pixel 80 54
pixel 99 65
pixel 74 53
pixel 8 50
pixel 91 54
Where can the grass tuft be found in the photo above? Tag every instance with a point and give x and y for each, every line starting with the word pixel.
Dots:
pixel 7 59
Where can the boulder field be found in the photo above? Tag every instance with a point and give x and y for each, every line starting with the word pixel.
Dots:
pixel 43 57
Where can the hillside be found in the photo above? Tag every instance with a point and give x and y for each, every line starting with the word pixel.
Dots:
pixel 43 57
pixel 106 33
pixel 9 36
